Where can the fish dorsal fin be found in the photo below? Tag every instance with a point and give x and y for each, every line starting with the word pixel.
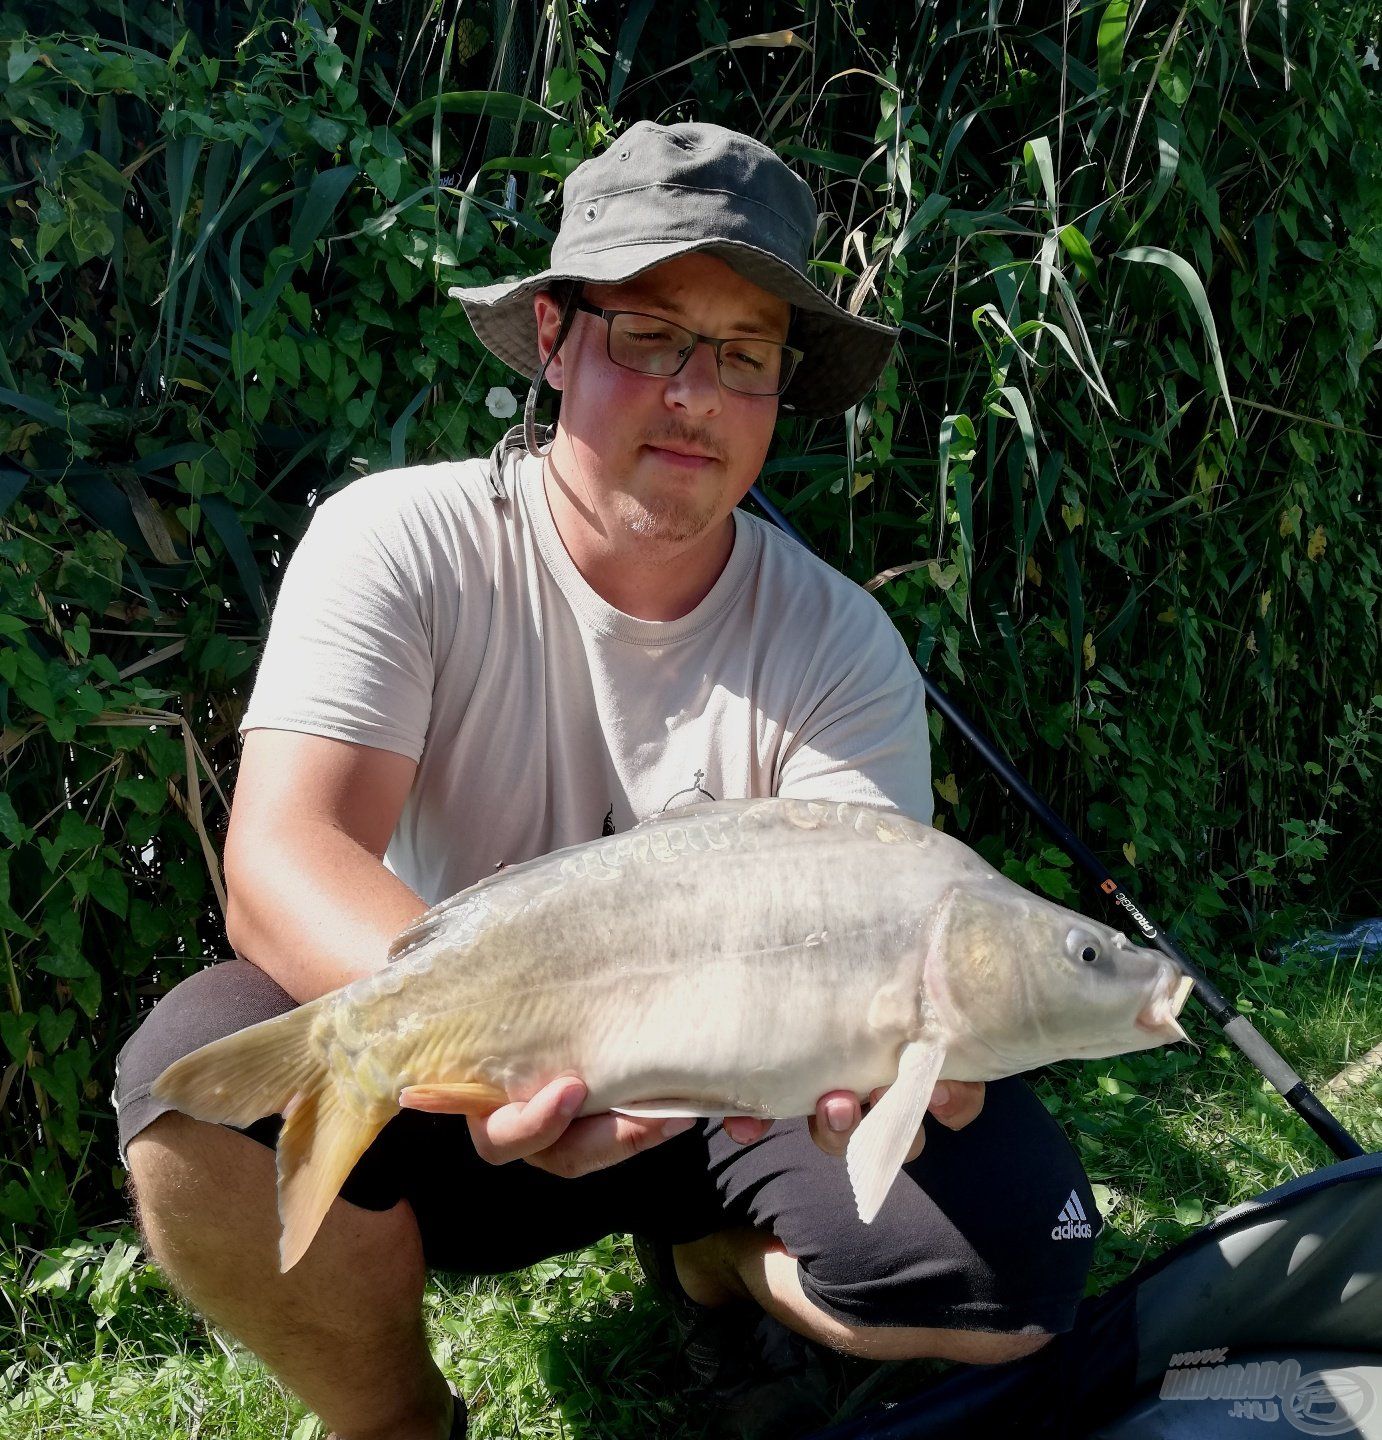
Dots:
pixel 492 895
pixel 885 1135
pixel 699 810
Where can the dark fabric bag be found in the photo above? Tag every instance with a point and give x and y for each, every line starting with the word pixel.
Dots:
pixel 1292 1278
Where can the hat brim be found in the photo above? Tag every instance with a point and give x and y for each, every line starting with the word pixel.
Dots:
pixel 844 353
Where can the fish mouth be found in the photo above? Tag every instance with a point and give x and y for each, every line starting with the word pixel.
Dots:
pixel 1158 1017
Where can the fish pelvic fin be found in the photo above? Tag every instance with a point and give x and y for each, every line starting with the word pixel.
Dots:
pixel 323 1136
pixel 885 1135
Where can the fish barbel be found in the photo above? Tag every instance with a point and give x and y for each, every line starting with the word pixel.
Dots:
pixel 735 958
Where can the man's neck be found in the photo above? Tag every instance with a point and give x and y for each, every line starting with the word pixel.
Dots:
pixel 644 578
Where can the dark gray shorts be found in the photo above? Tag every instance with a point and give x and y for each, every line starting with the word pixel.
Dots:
pixel 969 1238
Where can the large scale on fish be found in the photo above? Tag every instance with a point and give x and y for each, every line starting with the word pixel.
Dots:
pixel 737 958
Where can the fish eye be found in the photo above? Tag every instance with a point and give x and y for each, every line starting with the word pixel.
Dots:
pixel 1079 944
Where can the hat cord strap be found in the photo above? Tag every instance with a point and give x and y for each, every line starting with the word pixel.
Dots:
pixel 530 440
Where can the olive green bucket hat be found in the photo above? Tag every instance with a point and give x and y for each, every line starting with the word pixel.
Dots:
pixel 660 191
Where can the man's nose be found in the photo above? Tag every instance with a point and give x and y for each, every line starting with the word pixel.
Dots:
pixel 695 388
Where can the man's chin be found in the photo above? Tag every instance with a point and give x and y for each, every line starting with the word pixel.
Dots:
pixel 668 520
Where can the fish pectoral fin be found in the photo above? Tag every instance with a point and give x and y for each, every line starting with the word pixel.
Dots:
pixel 466 1097
pixel 885 1135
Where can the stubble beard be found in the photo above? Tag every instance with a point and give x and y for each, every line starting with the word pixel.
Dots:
pixel 667 520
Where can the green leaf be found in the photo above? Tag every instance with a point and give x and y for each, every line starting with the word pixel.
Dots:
pixel 54 1028
pixel 11 826
pixel 562 86
pixel 1153 255
pixel 926 214
pixel 90 234
pixel 1017 401
pixel 494 104
pixel 107 886
pixel 1190 1211
pixel 231 530
pixel 625 48
pixel 1113 29
pixel 1078 248
pixel 65 967
pixel 17 1204
pixel 329 134
pixel 149 795
pixel 14 1031
pixel 1041 174
pixel 387 176
pixel 20 62
pixel 389 146
pixel 328 66
pixel 44 412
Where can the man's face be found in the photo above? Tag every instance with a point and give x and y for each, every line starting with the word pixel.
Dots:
pixel 661 458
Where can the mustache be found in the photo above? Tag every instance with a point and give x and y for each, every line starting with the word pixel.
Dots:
pixel 688 436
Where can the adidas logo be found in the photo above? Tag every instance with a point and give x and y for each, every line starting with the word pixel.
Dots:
pixel 1071 1223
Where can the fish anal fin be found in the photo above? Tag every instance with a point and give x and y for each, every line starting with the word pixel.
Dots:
pixel 677 1109
pixel 321 1139
pixel 466 1097
pixel 885 1135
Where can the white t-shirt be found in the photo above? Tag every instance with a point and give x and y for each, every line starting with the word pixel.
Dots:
pixel 425 613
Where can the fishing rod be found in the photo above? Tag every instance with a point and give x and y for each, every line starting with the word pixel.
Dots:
pixel 1239 1029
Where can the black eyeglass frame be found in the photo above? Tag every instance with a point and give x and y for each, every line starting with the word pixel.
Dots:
pixel 791 356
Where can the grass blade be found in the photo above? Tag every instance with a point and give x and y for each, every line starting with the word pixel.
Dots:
pixel 625 47
pixel 1194 288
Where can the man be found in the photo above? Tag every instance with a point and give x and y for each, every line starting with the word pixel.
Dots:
pixel 474 663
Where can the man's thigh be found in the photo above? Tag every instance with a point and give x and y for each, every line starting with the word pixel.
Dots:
pixel 473 1217
pixel 974 1234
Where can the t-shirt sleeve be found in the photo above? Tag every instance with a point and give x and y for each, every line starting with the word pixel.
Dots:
pixel 864 738
pixel 349 652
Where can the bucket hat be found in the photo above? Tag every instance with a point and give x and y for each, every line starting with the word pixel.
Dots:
pixel 659 191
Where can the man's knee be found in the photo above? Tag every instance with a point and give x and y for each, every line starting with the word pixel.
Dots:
pixel 186 1174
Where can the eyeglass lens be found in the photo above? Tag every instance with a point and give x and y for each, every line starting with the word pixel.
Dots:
pixel 657 347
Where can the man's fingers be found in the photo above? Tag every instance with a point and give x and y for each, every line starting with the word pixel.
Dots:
pixel 597 1141
pixel 837 1114
pixel 543 1132
pixel 746 1128
pixel 956 1102
pixel 524 1127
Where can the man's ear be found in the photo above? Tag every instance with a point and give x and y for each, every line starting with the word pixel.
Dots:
pixel 547 310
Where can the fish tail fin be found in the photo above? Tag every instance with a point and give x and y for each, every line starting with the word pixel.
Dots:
pixel 243 1077
pixel 273 1068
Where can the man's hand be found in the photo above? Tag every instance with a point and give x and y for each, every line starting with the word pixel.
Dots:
pixel 955 1103
pixel 541 1131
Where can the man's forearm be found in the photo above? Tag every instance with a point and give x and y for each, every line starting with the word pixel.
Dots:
pixel 316 912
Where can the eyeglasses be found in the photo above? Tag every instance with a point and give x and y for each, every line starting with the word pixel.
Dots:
pixel 652 345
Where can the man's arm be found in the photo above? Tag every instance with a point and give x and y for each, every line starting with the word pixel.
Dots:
pixel 310 902
pixel 308 898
